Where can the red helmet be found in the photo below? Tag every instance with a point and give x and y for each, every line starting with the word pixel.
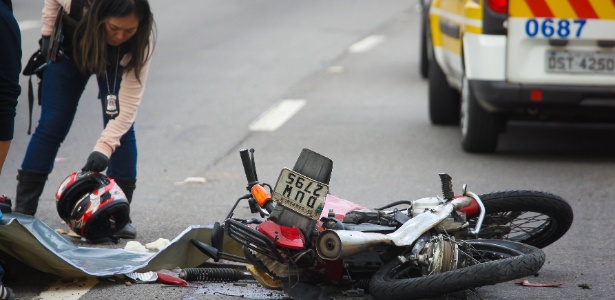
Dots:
pixel 92 204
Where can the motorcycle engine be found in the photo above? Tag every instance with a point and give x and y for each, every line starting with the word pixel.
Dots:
pixel 439 255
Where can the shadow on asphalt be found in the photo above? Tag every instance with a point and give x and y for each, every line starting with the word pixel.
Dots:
pixel 559 139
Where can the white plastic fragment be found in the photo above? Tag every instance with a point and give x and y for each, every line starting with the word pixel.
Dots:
pixel 60 160
pixel 135 246
pixel 335 69
pixel 188 180
pixel 194 180
pixel 145 277
pixel 157 245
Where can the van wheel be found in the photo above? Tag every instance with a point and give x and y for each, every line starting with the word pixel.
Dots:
pixel 479 128
pixel 443 99
pixel 423 50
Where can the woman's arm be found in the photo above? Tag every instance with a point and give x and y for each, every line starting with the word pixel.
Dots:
pixel 50 12
pixel 130 94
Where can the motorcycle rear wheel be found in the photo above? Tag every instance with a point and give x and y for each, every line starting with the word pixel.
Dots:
pixel 530 217
pixel 500 261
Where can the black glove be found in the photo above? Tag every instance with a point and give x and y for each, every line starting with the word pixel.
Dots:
pixel 44 43
pixel 97 162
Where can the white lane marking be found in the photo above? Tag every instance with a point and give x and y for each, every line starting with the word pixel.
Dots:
pixel 366 44
pixel 277 115
pixel 29 24
pixel 73 290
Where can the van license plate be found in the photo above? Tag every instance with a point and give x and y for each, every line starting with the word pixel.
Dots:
pixel 300 193
pixel 559 61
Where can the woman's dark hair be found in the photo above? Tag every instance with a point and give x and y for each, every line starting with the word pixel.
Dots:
pixel 89 43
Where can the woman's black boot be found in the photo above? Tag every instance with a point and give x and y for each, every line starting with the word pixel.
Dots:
pixel 30 186
pixel 128 187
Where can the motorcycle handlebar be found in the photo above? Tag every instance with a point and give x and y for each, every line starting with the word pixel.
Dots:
pixel 269 206
pixel 248 166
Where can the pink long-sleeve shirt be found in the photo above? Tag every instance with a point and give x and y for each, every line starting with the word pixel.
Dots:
pixel 130 93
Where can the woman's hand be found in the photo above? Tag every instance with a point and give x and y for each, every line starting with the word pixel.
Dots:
pixel 97 162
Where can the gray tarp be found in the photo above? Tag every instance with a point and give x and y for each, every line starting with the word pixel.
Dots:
pixel 35 244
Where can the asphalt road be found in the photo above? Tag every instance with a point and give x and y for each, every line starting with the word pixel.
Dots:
pixel 219 65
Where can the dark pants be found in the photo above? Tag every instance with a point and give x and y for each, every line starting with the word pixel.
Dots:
pixel 10 68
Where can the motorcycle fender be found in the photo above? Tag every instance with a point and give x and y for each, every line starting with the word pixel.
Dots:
pixel 471 210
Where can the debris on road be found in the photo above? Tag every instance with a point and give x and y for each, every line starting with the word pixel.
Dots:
pixel 135 246
pixel 527 283
pixel 584 286
pixel 192 180
pixel 157 245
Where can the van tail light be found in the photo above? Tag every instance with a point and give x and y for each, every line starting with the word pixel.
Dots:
pixel 499 6
pixel 536 95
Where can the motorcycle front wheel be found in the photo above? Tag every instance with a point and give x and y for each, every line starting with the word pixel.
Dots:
pixel 530 217
pixel 495 261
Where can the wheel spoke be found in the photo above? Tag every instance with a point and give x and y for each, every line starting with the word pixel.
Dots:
pixel 513 225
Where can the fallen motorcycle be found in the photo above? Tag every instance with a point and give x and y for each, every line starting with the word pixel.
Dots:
pixel 405 250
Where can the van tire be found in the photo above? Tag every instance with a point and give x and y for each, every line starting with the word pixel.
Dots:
pixel 479 128
pixel 444 101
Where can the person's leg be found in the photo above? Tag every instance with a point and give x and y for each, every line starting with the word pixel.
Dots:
pixel 122 165
pixel 123 161
pixel 5 292
pixel 4 150
pixel 10 62
pixel 63 85
pixel 122 168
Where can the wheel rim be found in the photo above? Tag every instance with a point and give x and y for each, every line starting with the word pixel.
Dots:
pixel 467 254
pixel 517 226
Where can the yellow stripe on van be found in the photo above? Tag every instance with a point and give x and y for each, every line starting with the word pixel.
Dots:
pixel 473 11
pixel 451 44
pixel 519 9
pixel 604 9
pixel 562 9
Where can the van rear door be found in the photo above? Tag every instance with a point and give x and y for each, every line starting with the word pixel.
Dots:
pixel 561 42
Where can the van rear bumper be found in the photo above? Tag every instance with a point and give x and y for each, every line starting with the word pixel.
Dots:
pixel 500 96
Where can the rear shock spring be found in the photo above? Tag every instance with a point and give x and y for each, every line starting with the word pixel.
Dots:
pixel 211 274
pixel 363 283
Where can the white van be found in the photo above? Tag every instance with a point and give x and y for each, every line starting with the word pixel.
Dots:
pixel 490 61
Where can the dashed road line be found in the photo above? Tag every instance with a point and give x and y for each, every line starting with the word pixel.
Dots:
pixel 277 115
pixel 73 290
pixel 366 44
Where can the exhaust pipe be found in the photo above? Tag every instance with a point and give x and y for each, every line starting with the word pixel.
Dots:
pixel 336 244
